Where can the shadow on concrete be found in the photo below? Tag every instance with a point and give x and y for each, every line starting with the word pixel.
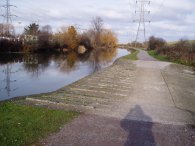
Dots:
pixel 139 132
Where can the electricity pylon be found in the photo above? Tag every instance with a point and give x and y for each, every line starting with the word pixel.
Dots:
pixel 8 16
pixel 8 21
pixel 141 19
pixel 8 72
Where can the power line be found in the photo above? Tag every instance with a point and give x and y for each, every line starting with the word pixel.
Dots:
pixel 142 18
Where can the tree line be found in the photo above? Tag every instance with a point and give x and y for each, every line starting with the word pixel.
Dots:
pixel 42 39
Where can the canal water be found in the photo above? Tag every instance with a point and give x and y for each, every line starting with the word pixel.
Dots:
pixel 27 74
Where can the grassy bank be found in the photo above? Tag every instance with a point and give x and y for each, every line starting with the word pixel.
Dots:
pixel 181 52
pixel 154 54
pixel 133 55
pixel 24 125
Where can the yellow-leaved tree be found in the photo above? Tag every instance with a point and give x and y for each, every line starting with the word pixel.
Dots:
pixel 72 40
pixel 108 39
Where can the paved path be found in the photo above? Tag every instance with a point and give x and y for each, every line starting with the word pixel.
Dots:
pixel 143 55
pixel 94 130
pixel 141 103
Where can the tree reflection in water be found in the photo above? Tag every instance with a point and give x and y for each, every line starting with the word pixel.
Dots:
pixel 68 63
pixel 101 57
pixel 95 58
pixel 35 64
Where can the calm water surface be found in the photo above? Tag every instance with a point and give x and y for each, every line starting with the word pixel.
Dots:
pixel 32 74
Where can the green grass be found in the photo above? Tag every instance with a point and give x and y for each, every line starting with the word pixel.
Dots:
pixel 132 56
pixel 24 125
pixel 158 56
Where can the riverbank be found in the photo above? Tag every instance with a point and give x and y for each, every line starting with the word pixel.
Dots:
pixel 84 95
pixel 49 71
pixel 133 55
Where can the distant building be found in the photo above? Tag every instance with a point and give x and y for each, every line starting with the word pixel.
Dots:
pixel 30 38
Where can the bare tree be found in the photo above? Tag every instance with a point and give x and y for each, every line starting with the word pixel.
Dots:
pixel 47 29
pixel 2 29
pixel 7 30
pixel 97 26
pixel 44 37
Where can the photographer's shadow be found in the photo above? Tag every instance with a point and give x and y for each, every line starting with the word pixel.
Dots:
pixel 139 129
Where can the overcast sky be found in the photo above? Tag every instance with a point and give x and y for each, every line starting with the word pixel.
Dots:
pixel 170 19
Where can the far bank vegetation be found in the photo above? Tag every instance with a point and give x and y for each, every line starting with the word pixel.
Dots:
pixel 70 38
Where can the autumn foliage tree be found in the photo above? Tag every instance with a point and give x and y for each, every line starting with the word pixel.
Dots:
pixel 67 37
pixel 108 39
pixel 72 39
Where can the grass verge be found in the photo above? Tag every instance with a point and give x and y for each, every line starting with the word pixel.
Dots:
pixel 154 54
pixel 132 56
pixel 25 125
